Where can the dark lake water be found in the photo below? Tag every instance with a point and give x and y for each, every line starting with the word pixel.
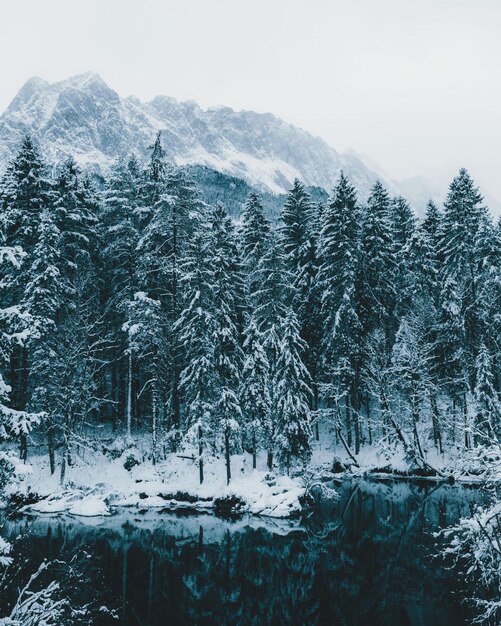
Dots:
pixel 366 559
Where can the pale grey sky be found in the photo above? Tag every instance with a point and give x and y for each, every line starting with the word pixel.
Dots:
pixel 413 84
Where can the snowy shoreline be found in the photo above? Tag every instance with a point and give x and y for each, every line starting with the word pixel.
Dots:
pixel 169 488
pixel 119 474
pixel 98 487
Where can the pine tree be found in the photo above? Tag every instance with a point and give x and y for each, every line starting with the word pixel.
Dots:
pixel 227 350
pixel 255 239
pixel 44 294
pixel 449 347
pixel 66 371
pixel 75 212
pixel 195 328
pixel 293 430
pixel 13 423
pixel 121 233
pixel 298 235
pixel 378 265
pixel 183 210
pixel 45 286
pixel 210 338
pixel 487 251
pixel 338 245
pixel 376 297
pixel 403 224
pixel 146 328
pixel 295 230
pixel 156 174
pixel 254 391
pixel 487 401
pixel 270 308
pixel 272 287
pixel 339 253
pixel 464 213
pixel 339 256
pixel 423 256
pixel 174 203
pixel 431 222
pixel 153 213
pixel 24 194
pixel 411 371
pixel 154 248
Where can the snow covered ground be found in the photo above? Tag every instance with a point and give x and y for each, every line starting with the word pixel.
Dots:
pixel 96 484
pixel 121 475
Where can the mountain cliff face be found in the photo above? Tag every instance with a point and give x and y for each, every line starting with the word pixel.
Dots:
pixel 84 117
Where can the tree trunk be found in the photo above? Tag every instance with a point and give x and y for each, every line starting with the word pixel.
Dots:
pixel 50 445
pixel 453 421
pixel 176 405
pixel 154 417
pixel 23 447
pixel 347 414
pixel 253 449
pixel 114 395
pixel 270 460
pixel 200 457
pixel 227 455
pixel 22 400
pixel 24 382
pixel 136 386
pixel 415 416
pixel 437 434
pixel 315 408
pixel 465 420
pixel 63 461
pixel 355 419
pixel 63 470
pixel 129 394
pixel 369 423
pixel 341 437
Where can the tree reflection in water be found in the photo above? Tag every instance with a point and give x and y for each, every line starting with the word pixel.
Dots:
pixel 363 559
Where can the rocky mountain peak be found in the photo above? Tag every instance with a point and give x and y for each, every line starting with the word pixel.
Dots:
pixel 84 117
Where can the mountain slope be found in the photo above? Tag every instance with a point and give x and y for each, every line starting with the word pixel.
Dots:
pixel 84 117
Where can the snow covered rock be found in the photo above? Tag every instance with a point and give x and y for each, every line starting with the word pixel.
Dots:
pixel 91 506
pixel 281 499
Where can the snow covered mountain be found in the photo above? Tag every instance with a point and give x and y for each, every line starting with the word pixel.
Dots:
pixel 84 117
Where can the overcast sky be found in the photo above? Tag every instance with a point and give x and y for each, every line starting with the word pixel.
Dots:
pixel 413 84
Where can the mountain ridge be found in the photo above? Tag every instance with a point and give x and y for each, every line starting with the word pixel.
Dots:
pixel 86 118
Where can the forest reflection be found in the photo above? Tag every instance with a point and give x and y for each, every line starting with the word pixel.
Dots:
pixel 366 558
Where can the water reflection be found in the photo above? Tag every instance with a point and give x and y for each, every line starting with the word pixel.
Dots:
pixel 363 559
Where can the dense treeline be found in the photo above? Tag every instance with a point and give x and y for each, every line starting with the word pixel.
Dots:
pixel 140 306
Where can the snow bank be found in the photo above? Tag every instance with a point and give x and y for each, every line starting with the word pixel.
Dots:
pixel 56 503
pixel 91 506
pixel 100 485
pixel 280 499
pixel 75 502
